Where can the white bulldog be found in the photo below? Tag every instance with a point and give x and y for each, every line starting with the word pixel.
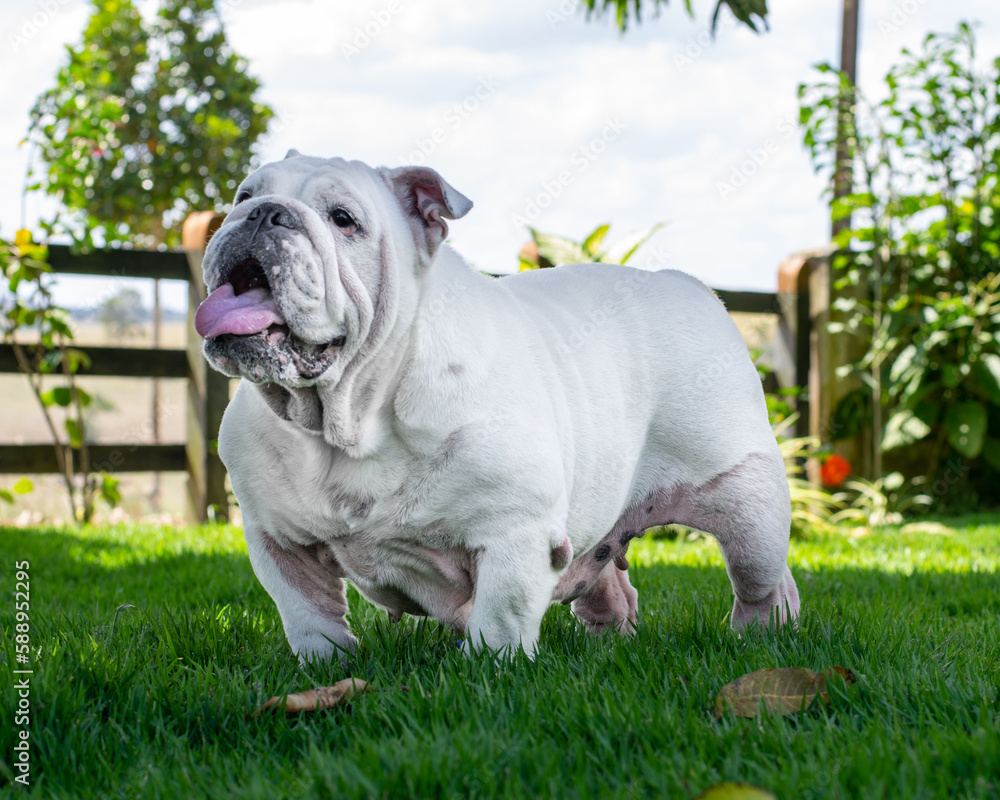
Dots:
pixel 467 448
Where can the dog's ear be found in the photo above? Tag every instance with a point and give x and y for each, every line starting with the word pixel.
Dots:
pixel 293 153
pixel 428 198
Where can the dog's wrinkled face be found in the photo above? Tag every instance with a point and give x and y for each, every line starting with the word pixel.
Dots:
pixel 298 266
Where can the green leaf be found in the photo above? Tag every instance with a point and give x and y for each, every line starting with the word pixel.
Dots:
pixel 851 415
pixel 24 486
pixel 109 489
pixel 73 429
pixel 51 361
pixel 558 249
pixel 76 359
pixel 987 373
pixel 592 244
pixel 6 496
pixel 60 396
pixel 927 411
pixel 903 361
pixel 904 428
pixel 622 250
pixel 991 451
pixel 950 376
pixel 965 424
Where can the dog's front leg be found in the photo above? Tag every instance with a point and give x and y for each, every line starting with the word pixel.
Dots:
pixel 515 579
pixel 307 585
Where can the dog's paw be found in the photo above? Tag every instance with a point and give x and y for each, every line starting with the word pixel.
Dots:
pixel 781 605
pixel 316 648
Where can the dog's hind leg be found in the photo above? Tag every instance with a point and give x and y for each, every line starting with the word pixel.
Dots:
pixel 307 585
pixel 610 603
pixel 747 509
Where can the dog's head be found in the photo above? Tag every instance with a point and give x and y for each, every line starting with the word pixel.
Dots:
pixel 313 261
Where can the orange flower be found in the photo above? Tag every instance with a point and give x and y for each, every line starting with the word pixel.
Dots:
pixel 834 470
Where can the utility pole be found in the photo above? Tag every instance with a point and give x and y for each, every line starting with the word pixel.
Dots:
pixel 842 182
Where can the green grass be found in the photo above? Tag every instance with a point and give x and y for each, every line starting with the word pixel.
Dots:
pixel 154 704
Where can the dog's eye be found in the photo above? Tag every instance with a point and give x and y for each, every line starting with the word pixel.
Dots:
pixel 343 220
pixel 244 195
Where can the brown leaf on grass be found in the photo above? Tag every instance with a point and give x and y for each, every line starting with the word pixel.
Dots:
pixel 735 791
pixel 784 690
pixel 315 699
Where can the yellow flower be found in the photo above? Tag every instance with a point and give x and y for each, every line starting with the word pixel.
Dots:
pixel 22 240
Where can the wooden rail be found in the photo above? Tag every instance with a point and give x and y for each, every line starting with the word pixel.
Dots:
pixel 123 362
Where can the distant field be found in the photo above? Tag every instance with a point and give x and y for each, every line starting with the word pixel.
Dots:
pixel 122 412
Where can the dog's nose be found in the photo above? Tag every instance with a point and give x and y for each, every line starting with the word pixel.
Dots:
pixel 273 215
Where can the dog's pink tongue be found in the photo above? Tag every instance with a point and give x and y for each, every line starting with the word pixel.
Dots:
pixel 226 312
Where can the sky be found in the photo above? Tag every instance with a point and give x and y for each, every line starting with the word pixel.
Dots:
pixel 536 114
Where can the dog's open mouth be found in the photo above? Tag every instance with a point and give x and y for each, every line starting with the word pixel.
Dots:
pixel 243 307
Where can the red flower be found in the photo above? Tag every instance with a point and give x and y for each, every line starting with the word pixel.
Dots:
pixel 834 470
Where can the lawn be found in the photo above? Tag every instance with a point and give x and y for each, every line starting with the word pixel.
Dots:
pixel 153 701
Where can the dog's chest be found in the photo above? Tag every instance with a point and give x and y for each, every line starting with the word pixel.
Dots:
pixel 390 527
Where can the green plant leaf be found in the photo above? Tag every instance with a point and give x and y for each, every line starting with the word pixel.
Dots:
pixel 73 429
pixel 592 244
pixel 558 249
pixel 991 451
pixel 851 415
pixel 623 249
pixel 927 412
pixel 903 361
pixel 24 486
pixel 109 489
pixel 76 359
pixel 6 496
pixel 904 428
pixel 950 375
pixel 965 424
pixel 986 370
pixel 59 396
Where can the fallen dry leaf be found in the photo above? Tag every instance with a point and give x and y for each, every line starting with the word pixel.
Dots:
pixel 784 690
pixel 315 699
pixel 735 791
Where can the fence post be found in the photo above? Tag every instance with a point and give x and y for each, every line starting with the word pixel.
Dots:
pixel 208 390
pixel 795 333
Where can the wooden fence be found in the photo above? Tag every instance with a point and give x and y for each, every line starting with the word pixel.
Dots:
pixel 208 391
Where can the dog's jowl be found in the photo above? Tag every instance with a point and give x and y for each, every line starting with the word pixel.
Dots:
pixel 467 448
